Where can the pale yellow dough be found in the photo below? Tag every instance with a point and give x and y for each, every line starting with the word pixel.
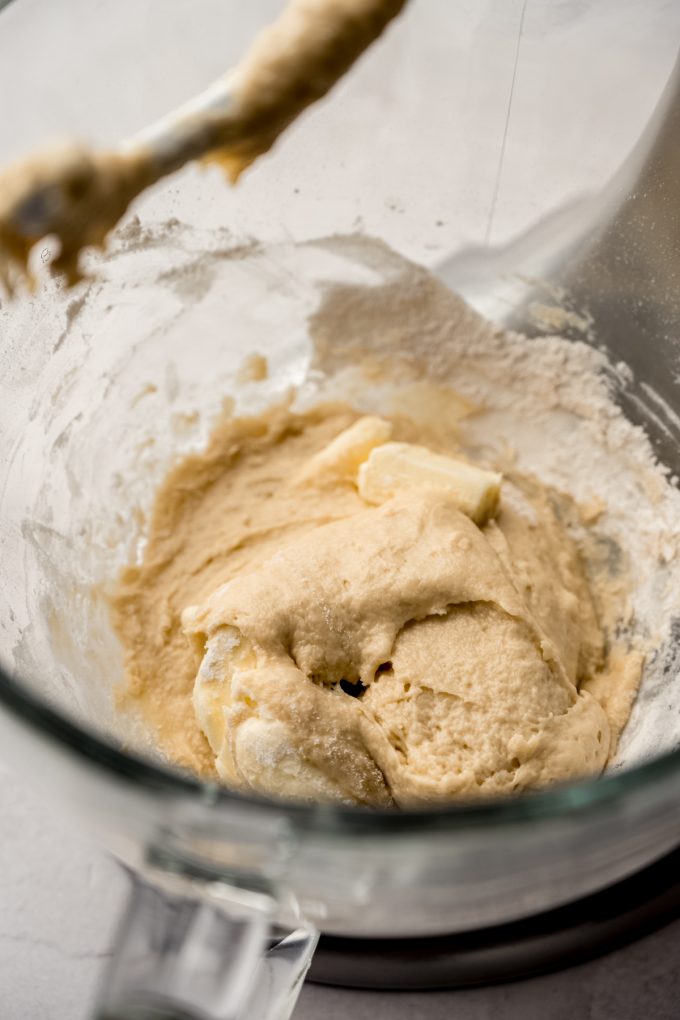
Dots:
pixel 391 654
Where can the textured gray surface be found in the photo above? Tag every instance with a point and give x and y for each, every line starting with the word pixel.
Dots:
pixel 60 896
pixel 641 980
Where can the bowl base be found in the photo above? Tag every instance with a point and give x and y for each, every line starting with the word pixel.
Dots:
pixel 559 938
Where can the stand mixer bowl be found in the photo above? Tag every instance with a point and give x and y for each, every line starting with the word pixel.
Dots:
pixel 102 387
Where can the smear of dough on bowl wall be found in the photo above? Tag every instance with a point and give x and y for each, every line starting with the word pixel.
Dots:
pixel 434 569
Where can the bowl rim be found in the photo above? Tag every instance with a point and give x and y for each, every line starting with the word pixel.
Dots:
pixel 559 802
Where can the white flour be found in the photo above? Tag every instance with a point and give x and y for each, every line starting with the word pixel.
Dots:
pixel 548 405
pixel 570 433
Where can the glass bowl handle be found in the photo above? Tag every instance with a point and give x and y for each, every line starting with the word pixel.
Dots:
pixel 212 956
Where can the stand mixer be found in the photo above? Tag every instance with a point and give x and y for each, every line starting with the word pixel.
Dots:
pixel 230 892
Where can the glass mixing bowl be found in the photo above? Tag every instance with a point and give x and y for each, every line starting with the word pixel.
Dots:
pixel 465 124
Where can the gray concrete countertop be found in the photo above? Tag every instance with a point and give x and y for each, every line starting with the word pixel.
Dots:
pixel 61 896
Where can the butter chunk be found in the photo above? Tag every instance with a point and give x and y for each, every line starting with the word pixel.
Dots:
pixel 344 454
pixel 392 468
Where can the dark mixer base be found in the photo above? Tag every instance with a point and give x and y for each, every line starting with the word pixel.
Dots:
pixel 550 941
